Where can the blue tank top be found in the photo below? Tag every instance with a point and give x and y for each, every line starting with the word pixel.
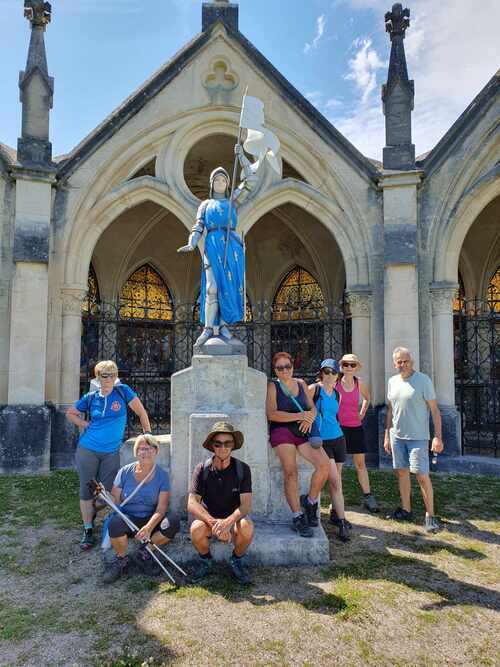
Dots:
pixel 326 419
pixel 285 404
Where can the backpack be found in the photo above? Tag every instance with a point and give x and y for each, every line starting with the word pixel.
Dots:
pixel 317 393
pixel 206 469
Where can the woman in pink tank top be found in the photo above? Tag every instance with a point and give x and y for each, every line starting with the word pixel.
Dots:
pixel 350 415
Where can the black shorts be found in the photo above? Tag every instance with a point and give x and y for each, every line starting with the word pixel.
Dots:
pixel 336 449
pixel 118 528
pixel 355 439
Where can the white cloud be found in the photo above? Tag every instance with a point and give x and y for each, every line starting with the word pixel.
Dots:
pixel 452 50
pixel 320 31
pixel 363 68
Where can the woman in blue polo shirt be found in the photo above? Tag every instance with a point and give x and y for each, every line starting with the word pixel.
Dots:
pixel 97 455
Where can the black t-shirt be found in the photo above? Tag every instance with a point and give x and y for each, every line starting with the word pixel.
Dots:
pixel 220 493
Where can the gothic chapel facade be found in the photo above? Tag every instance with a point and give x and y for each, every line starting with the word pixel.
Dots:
pixel 343 253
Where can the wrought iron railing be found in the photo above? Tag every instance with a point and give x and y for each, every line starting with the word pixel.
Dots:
pixel 148 352
pixel 477 375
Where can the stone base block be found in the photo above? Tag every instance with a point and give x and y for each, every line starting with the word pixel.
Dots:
pixel 63 438
pixel 469 465
pixel 24 439
pixel 273 544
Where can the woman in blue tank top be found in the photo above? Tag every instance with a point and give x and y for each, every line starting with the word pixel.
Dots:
pixel 326 399
pixel 289 432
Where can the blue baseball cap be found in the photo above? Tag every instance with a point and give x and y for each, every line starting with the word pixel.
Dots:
pixel 330 363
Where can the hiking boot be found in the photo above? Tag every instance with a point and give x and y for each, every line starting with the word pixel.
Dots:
pixel 334 518
pixel 239 570
pixel 88 540
pixel 370 503
pixel 343 534
pixel 202 568
pixel 118 568
pixel 400 514
pixel 311 511
pixel 431 524
pixel 301 526
pixel 146 563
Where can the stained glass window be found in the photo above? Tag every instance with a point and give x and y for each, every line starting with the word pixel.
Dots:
pixel 494 291
pixel 145 296
pixel 458 301
pixel 248 311
pixel 90 305
pixel 299 297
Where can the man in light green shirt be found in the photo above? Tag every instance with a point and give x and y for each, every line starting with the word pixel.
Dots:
pixel 410 398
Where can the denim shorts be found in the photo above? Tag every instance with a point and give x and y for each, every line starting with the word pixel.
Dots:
pixel 412 454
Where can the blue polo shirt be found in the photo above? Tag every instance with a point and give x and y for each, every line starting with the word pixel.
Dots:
pixel 108 417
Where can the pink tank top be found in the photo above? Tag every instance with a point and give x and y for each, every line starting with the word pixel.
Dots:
pixel 349 405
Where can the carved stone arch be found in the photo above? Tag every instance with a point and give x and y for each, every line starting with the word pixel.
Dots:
pixel 490 267
pixel 82 240
pixel 454 229
pixel 351 239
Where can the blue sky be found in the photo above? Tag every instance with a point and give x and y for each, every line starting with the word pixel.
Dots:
pixel 334 51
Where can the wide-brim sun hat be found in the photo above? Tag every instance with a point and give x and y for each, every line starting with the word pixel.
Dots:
pixel 330 363
pixel 352 358
pixel 223 427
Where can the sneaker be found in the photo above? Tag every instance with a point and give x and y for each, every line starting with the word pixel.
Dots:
pixel 239 570
pixel 202 568
pixel 400 514
pixel 301 526
pixel 311 511
pixel 370 503
pixel 431 524
pixel 334 518
pixel 117 569
pixel 88 539
pixel 343 534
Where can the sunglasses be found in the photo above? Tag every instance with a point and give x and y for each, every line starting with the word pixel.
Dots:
pixel 146 449
pixel 349 364
pixel 222 443
pixel 105 376
pixel 328 371
pixel 286 367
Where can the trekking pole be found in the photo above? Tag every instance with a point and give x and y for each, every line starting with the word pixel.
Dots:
pixel 100 492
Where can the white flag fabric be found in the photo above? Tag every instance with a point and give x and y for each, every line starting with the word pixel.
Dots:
pixel 260 142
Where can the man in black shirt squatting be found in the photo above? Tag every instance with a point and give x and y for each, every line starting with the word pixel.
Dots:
pixel 220 500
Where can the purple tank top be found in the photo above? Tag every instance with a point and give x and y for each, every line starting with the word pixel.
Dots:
pixel 348 414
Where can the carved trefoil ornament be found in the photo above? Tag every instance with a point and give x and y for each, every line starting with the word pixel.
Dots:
pixel 220 81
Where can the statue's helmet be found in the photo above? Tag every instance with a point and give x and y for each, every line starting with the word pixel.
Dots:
pixel 219 171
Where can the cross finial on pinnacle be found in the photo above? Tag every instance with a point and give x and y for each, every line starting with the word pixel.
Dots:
pixel 37 12
pixel 397 21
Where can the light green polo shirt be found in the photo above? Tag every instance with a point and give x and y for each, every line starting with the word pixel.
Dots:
pixel 410 412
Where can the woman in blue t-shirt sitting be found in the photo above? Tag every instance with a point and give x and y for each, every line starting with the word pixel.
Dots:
pixel 97 455
pixel 326 399
pixel 141 489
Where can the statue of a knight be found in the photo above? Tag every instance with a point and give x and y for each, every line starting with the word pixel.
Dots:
pixel 222 296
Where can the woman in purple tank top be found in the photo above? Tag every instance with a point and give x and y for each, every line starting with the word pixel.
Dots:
pixel 353 392
pixel 289 427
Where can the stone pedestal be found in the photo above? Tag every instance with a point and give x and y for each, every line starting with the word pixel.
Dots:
pixel 219 388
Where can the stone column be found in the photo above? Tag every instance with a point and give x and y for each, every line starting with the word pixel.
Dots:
pixel 442 296
pixel 72 299
pixel 360 305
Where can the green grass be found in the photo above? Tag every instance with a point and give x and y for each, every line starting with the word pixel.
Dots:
pixel 346 601
pixel 19 623
pixel 29 501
